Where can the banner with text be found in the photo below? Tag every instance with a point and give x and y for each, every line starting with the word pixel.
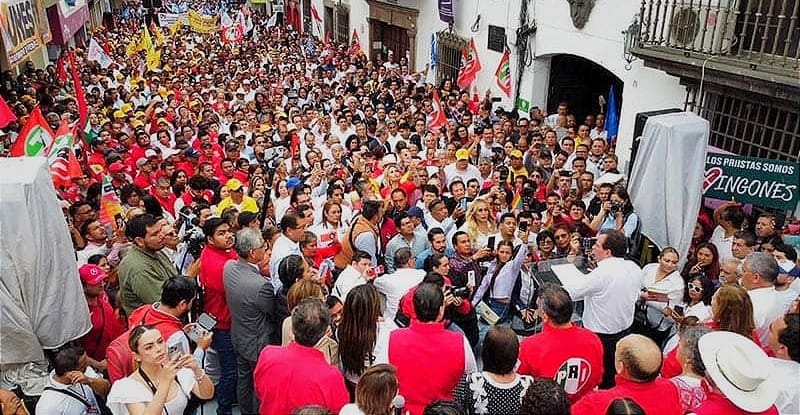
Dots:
pixel 203 24
pixel 169 19
pixel 761 182
pixel 24 28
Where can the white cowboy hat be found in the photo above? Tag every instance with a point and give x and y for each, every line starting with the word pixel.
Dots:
pixel 388 159
pixel 740 369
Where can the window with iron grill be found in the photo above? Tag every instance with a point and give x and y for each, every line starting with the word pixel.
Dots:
pixel 748 125
pixel 449 48
pixel 342 35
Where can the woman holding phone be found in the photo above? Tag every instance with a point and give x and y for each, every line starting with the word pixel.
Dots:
pixel 501 275
pixel 662 286
pixel 163 382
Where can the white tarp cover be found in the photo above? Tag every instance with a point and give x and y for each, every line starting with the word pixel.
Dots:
pixel 667 178
pixel 42 300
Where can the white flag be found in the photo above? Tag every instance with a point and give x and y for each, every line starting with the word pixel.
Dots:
pixel 97 54
pixel 273 20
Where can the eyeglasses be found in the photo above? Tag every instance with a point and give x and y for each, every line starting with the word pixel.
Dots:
pixel 546 242
pixel 562 236
pixel 694 288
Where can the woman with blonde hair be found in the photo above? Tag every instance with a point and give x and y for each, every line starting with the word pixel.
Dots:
pixel 480 223
pixel 375 392
pixel 302 289
pixel 731 310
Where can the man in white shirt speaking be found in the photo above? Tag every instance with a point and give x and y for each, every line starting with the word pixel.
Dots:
pixel 609 293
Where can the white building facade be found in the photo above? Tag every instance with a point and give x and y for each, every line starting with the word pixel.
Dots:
pixel 552 48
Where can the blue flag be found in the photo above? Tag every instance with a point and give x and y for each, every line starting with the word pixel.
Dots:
pixel 434 52
pixel 612 116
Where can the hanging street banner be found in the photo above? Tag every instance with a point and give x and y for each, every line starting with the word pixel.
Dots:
pixel 203 24
pixel 757 181
pixel 23 27
pixel 169 19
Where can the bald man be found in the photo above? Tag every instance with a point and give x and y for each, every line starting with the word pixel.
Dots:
pixel 638 362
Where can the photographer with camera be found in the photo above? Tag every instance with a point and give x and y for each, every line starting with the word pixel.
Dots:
pixel 192 239
pixel 465 272
pixel 617 213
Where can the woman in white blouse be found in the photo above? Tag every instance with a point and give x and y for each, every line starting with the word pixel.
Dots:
pixel 163 382
pixel 696 301
pixel 662 286
pixel 331 228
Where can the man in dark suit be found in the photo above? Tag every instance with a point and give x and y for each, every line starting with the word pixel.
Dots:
pixel 251 300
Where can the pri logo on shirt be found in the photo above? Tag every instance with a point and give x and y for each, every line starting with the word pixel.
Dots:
pixel 573 375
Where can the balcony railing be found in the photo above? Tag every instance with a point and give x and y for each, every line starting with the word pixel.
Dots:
pixel 758 35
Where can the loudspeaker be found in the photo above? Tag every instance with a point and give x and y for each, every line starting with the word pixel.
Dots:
pixel 638 129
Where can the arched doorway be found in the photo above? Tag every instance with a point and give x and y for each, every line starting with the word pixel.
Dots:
pixel 580 82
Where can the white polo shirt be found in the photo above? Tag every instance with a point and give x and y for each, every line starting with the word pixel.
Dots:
pixel 58 403
pixel 609 293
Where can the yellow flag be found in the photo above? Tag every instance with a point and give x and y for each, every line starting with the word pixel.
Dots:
pixel 132 48
pixel 152 56
pixel 159 36
pixel 175 27
pixel 147 42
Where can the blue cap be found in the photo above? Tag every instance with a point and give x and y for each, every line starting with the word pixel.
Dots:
pixel 191 152
pixel 292 182
pixel 416 211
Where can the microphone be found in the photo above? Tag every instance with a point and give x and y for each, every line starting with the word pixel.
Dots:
pixel 399 403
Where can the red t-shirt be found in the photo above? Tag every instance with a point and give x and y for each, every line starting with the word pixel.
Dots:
pixel 430 361
pixel 657 397
pixel 290 377
pixel 573 357
pixel 105 328
pixel 718 404
pixel 212 261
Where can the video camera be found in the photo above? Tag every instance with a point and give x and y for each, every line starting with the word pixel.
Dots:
pixel 462 292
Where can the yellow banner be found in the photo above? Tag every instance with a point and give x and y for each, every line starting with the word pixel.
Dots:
pixel 23 27
pixel 203 24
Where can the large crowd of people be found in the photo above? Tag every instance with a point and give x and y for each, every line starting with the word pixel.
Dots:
pixel 298 236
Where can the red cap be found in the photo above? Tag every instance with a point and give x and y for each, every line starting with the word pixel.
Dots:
pixel 91 274
pixel 116 167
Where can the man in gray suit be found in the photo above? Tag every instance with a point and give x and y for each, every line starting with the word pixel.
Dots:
pixel 251 300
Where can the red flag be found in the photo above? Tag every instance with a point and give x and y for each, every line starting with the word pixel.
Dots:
pixel 83 108
pixel 6 115
pixel 62 71
pixel 110 206
pixel 315 13
pixel 327 38
pixel 503 74
pixel 436 119
pixel 471 66
pixel 233 34
pixel 355 44
pixel 35 137
pixel 61 157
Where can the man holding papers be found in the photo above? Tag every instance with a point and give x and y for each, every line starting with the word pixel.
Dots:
pixel 609 292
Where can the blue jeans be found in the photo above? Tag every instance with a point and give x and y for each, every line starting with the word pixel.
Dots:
pixel 483 327
pixel 226 389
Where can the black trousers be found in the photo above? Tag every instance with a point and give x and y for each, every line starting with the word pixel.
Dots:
pixel 248 402
pixel 469 324
pixel 609 342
